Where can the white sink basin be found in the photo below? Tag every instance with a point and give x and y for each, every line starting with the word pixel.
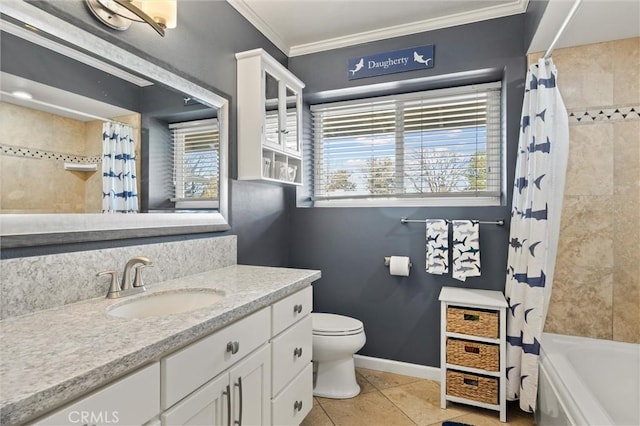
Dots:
pixel 166 303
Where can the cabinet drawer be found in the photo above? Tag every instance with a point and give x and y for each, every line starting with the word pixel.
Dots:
pixel 295 401
pixel 193 366
pixel 132 400
pixel 290 353
pixel 474 322
pixel 485 356
pixel 290 309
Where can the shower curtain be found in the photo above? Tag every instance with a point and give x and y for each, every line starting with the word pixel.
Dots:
pixel 538 191
pixel 119 181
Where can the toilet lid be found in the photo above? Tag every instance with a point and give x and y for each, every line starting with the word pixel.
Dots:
pixel 335 324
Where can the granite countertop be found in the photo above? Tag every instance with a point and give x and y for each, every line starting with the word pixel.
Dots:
pixel 53 356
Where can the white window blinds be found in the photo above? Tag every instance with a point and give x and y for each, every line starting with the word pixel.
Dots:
pixel 440 144
pixel 196 153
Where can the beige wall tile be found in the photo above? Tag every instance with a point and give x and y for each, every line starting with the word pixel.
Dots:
pixel 590 149
pixel 583 81
pixel 596 290
pixel 582 307
pixel 626 71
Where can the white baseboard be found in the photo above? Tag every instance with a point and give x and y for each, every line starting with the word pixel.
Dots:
pixel 397 367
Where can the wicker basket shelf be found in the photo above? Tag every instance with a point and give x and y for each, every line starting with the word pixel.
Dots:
pixel 472 386
pixel 467 353
pixel 474 322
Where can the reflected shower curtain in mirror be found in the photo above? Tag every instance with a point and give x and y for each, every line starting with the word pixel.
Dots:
pixel 538 191
pixel 119 181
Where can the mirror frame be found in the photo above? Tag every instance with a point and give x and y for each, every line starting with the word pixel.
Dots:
pixel 23 230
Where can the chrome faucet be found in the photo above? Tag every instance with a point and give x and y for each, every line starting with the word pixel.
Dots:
pixel 137 282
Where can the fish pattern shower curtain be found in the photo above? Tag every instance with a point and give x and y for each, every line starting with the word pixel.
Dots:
pixel 535 225
pixel 119 180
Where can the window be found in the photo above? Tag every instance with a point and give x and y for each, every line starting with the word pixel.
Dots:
pixel 196 172
pixel 441 147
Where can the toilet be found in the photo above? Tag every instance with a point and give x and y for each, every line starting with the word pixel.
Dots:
pixel 335 339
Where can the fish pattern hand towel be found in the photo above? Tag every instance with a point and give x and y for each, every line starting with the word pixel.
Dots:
pixel 437 246
pixel 466 249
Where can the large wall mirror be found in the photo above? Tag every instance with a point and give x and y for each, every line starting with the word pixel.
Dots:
pixel 97 143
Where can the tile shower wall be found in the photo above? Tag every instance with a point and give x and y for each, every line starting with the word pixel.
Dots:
pixel 35 145
pixel 32 284
pixel 596 291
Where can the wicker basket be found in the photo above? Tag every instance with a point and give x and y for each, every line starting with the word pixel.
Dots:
pixel 473 354
pixel 472 386
pixel 473 322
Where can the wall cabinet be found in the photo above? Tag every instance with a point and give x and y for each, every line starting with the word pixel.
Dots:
pixel 473 348
pixel 269 120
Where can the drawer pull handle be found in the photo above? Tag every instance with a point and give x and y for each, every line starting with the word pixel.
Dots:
pixel 297 406
pixel 471 317
pixel 239 386
pixel 472 349
pixel 297 352
pixel 227 393
pixel 470 382
pixel 297 309
pixel 233 347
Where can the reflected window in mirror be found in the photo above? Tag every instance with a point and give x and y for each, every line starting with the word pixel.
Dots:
pixel 196 164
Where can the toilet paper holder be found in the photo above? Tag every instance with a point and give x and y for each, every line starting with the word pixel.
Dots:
pixel 387 261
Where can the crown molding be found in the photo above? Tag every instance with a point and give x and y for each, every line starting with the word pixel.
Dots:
pixel 477 15
pixel 245 10
pixel 410 28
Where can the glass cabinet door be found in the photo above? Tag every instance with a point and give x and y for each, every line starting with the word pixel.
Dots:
pixel 272 111
pixel 291 133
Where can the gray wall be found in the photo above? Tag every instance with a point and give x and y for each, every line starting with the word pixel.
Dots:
pixel 201 48
pixel 401 315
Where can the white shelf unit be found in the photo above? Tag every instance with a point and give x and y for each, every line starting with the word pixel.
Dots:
pixel 269 120
pixel 487 300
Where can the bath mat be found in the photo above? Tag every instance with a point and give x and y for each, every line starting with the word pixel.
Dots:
pixel 455 424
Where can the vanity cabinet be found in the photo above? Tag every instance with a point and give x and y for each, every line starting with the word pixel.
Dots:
pixel 131 400
pixel 269 120
pixel 473 348
pixel 255 371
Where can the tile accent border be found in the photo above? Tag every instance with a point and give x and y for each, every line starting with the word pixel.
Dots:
pixel 41 154
pixel 398 367
pixel 604 114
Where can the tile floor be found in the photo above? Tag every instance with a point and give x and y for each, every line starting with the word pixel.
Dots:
pixel 388 399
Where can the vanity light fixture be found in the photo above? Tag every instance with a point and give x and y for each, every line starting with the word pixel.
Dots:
pixel 118 14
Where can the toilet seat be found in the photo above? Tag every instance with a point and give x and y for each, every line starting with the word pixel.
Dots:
pixel 335 325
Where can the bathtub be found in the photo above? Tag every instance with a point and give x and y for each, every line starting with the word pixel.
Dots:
pixel 588 382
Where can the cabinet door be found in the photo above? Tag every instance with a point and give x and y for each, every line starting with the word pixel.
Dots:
pixel 207 406
pixel 272 122
pixel 132 400
pixel 290 120
pixel 251 389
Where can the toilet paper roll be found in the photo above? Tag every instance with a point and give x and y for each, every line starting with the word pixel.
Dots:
pixel 399 265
